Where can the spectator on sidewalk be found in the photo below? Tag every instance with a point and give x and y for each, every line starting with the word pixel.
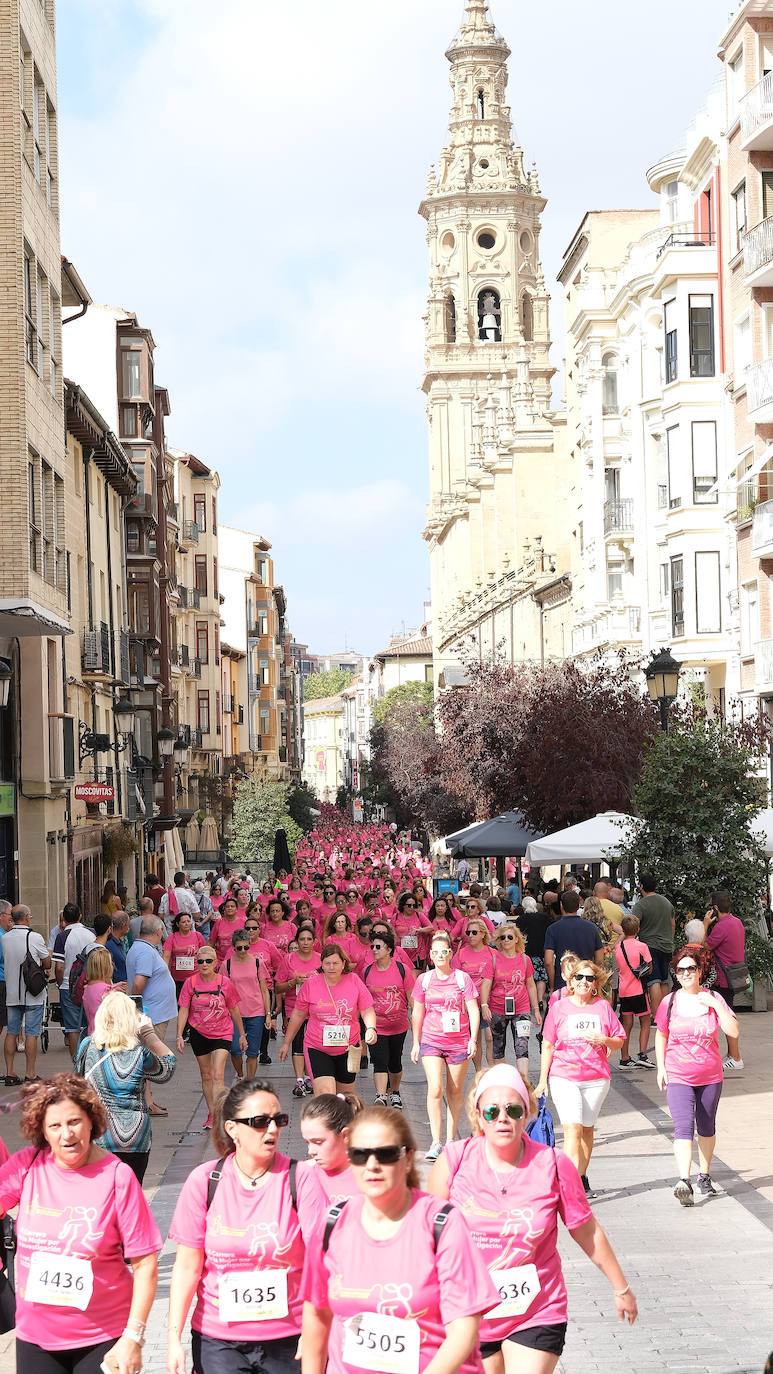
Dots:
pixel 72 939
pixel 726 938
pixel 146 908
pixel 115 945
pixel 154 891
pixel 569 934
pixel 5 924
pixel 176 900
pixel 148 976
pixel 24 1007
pixel 656 930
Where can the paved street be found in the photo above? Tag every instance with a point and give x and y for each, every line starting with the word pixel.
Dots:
pixel 701 1277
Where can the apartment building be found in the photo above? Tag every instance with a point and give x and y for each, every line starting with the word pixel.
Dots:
pixel 324 746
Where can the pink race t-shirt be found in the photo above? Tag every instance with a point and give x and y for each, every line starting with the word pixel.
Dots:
pixel 444 998
pixel 408 929
pixel 182 953
pixel 280 935
pixel 270 957
pixel 425 936
pixel 361 955
pixel 510 976
pixel 209 1006
pixel 93 994
pixel 692 1049
pixel 247 1233
pixel 291 966
pixel 513 1220
pixel 390 989
pixel 461 925
pixel 565 1026
pixel 400 1277
pixel 479 963
pixel 318 1192
pixel 245 979
pixel 340 1005
pixel 98 1215
pixel 636 951
pixel 221 933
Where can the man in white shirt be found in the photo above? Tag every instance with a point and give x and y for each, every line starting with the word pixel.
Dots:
pixel 24 1007
pixel 183 899
pixel 72 939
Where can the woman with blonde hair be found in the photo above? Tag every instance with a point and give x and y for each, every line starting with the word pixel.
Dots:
pixel 99 982
pixel 121 1055
pixel 446 1020
pixel 579 1034
pixel 513 996
pixel 610 933
pixel 512 1191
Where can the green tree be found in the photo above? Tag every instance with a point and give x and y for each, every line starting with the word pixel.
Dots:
pixel 697 796
pixel 326 684
pixel 302 806
pixel 417 696
pixel 260 809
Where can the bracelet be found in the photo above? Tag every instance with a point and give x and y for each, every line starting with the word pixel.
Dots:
pixel 136 1336
pixel 623 1291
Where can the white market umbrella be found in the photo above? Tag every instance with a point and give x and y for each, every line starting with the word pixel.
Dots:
pixel 179 860
pixel 192 835
pixel 170 858
pixel 209 840
pixel 602 837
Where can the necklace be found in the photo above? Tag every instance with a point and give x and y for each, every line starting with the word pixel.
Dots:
pixel 252 1179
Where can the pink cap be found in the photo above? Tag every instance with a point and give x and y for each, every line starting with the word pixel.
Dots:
pixel 502 1076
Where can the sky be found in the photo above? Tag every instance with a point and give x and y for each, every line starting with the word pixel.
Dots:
pixel 245 176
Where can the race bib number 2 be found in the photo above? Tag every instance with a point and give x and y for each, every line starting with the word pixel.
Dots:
pixel 256 1295
pixel 384 1344
pixel 518 1288
pixel 60 1281
pixel 451 1022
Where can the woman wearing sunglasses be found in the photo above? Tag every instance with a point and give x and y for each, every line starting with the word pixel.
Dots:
pixel 512 997
pixel 239 1246
pixel 246 972
pixel 293 971
pixel 690 1065
pixel 471 908
pixel 408 924
pixel 579 1034
pixel 332 1002
pixel 390 985
pixel 512 1192
pixel 446 1020
pixel 209 1007
pixel 228 922
pixel 398 1274
pixel 440 917
pixel 475 956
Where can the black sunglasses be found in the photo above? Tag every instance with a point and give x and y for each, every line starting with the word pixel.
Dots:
pixel 240 948
pixel 473 930
pixel 506 937
pixel 686 968
pixel 512 1109
pixel 405 904
pixel 584 977
pixel 384 1154
pixel 205 961
pixel 263 1121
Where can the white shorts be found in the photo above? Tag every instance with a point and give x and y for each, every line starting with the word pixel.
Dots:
pixel 578 1104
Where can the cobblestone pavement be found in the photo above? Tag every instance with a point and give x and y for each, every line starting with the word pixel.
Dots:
pixel 701 1276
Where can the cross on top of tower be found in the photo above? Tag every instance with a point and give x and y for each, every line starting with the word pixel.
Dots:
pixel 477 30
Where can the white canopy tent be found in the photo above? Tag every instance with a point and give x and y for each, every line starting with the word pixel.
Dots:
pixel 602 837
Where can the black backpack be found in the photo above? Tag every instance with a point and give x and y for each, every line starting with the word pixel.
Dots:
pixel 217 1174
pixel 441 1217
pixel 34 975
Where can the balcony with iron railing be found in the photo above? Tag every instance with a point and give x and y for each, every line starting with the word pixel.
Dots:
pixel 95 656
pixel 756 109
pixel 763 665
pixel 758 254
pixel 618 516
pixel 188 533
pixel 194 669
pixel 759 391
pixel 762 530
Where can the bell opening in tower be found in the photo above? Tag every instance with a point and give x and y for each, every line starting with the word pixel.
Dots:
pixel 489 317
pixel 527 317
pixel 450 320
pixel 481 104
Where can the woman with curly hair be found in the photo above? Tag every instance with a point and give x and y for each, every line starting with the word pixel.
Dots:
pixel 87 1242
pixel 690 1065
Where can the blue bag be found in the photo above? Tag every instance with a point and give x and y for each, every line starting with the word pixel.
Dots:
pixel 541 1128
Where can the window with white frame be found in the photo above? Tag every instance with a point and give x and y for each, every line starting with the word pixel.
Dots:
pixel 664 583
pixel 30 288
pixel 672 458
pixel 742 349
pixel 750 617
pixel 671 199
pixel 734 85
pixel 609 384
pixel 131 374
pixel 614 580
pixel 53 337
pixel 677 596
pixel 704 462
pixel 669 325
pixel 739 217
pixel 708 616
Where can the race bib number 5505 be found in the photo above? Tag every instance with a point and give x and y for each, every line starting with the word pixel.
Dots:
pixel 384 1344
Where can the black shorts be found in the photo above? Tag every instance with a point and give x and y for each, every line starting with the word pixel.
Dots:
pixel 634 1006
pixel 661 966
pixel 386 1055
pixel 551 1339
pixel 211 1355
pixel 87 1359
pixel 298 1040
pixel 201 1044
pixel 326 1065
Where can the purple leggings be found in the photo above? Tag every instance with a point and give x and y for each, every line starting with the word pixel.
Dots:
pixel 693 1108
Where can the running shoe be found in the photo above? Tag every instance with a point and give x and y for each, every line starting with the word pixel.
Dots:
pixel 264 1059
pixel 732 1064
pixel 627 1064
pixel 380 1101
pixel 705 1186
pixel 586 1185
pixel 645 1061
pixel 434 1151
pixel 300 1088
pixel 395 1100
pixel 308 1087
pixel 683 1192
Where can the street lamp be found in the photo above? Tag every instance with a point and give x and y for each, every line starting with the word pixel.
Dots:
pixel 6 673
pixel 123 712
pixel 662 675
pixel 165 739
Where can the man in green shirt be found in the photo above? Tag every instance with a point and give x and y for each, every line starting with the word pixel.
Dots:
pixel 656 931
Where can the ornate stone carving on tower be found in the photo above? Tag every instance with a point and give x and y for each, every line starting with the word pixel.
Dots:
pixel 497 462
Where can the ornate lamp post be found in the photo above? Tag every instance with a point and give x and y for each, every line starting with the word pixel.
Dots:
pixel 662 675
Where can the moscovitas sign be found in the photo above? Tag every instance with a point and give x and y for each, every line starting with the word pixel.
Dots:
pixel 95 791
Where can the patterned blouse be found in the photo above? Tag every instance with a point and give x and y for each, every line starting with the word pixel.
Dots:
pixel 118 1078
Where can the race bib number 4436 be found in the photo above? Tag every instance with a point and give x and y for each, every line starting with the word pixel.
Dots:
pixel 253 1295
pixel 376 1342
pixel 60 1281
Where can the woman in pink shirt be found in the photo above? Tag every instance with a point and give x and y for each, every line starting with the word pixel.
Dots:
pixel 390 985
pixel 397 1273
pixel 474 908
pixel 292 973
pixel 511 1192
pixel 512 1000
pixel 690 1065
pixel 99 976
pixel 278 929
pixel 408 924
pixel 327 1178
pixel 474 956
pixel 338 928
pixel 446 1020
pixel 223 929
pixel 630 955
pixel 246 971
pixel 180 949
pixel 440 917
pixel 239 1245
pixel 579 1033
pixel 209 1007
pixel 332 1003
pixel 87 1244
